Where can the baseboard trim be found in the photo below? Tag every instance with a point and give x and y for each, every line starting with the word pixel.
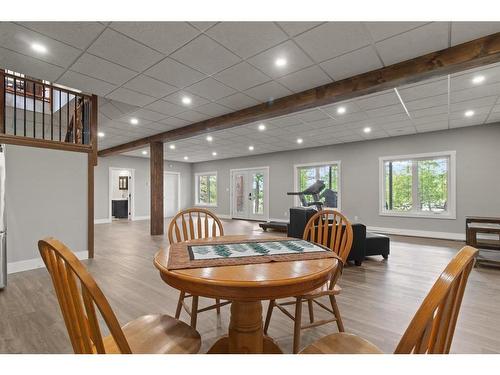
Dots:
pixel 31 264
pixel 138 218
pixel 102 221
pixel 418 233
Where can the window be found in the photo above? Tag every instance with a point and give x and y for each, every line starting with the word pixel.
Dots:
pixel 206 189
pixel 328 172
pixel 418 185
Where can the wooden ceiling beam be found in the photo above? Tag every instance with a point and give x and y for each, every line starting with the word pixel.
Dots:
pixel 478 52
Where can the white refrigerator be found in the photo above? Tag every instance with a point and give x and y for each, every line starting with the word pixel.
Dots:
pixel 3 224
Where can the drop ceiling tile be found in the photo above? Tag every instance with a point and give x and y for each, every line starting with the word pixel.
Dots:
pixel 268 91
pixel 247 38
pixel 464 80
pixel 164 37
pixel 175 122
pixel 378 100
pixel 488 101
pixel 110 111
pixel 394 132
pixel 149 86
pixel 433 126
pixel 130 97
pixel 433 101
pixel 333 39
pixel 386 111
pixel 213 109
pixel 202 26
pixel 146 114
pixel 350 107
pixel 305 79
pixel 205 55
pixel 475 92
pixel 29 65
pixel 242 76
pixel 192 116
pixel 210 89
pixel 384 30
pixel 19 39
pixel 174 73
pixel 295 28
pixel 493 117
pixel 432 111
pixel 443 117
pixel 78 34
pixel 96 67
pixel 463 122
pixel 296 60
pixel 166 108
pixel 417 42
pixel 352 63
pixel 423 90
pixel 122 50
pixel 479 112
pixel 312 115
pixel 124 107
pixel 85 83
pixel 176 98
pixel 462 32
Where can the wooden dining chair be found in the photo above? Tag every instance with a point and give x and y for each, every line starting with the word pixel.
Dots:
pixel 331 229
pixel 78 295
pixel 190 224
pixel 431 329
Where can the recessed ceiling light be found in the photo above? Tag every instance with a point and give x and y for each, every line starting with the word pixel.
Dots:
pixel 250 148
pixel 478 79
pixel 39 48
pixel 172 147
pixel 186 100
pixel 209 138
pixel 367 129
pixel 341 110
pixel 186 158
pixel 280 62
pixel 469 113
pixel 300 140
pixel 144 152
pixel 214 153
pixel 100 134
pixel 262 127
pixel 134 121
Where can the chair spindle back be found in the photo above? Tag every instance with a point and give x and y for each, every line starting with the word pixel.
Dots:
pixel 194 223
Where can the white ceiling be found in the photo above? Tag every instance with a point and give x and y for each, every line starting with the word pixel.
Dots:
pixel 143 69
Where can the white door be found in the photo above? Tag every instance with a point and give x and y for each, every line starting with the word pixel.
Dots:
pixel 170 194
pixel 249 193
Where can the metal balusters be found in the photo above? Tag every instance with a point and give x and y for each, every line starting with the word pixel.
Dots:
pixel 43 111
pixel 24 116
pixel 60 115
pixel 51 113
pixel 15 106
pixel 34 110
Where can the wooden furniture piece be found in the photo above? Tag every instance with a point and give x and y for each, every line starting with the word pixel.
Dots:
pixel 431 329
pixel 246 286
pixel 186 231
pixel 475 225
pixel 78 295
pixel 119 208
pixel 331 229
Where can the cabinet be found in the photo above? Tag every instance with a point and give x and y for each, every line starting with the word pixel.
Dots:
pixel 119 208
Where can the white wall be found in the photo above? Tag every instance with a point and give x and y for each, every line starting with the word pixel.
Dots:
pixel 46 195
pixel 141 184
pixel 478 178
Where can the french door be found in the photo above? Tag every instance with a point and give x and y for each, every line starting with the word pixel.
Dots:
pixel 250 193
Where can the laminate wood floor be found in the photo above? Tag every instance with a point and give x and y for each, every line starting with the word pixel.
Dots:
pixel 378 300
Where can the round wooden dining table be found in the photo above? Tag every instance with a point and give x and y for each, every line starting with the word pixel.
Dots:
pixel 246 286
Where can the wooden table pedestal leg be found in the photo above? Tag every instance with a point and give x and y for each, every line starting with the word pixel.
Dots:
pixel 246 334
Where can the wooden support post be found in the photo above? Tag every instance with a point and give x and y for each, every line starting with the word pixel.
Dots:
pixel 90 204
pixel 94 128
pixel 2 103
pixel 156 171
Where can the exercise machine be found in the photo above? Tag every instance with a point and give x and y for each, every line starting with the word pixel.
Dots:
pixel 300 215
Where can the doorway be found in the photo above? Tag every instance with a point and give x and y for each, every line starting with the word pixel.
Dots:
pixel 171 193
pixel 250 193
pixel 121 194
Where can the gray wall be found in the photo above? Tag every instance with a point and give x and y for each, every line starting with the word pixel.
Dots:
pixel 46 195
pixel 478 178
pixel 141 184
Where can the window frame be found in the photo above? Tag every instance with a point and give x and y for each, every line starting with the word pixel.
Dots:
pixel 319 164
pixel 451 212
pixel 197 187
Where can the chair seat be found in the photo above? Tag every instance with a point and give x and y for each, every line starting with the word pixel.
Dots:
pixel 157 334
pixel 341 343
pixel 322 290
